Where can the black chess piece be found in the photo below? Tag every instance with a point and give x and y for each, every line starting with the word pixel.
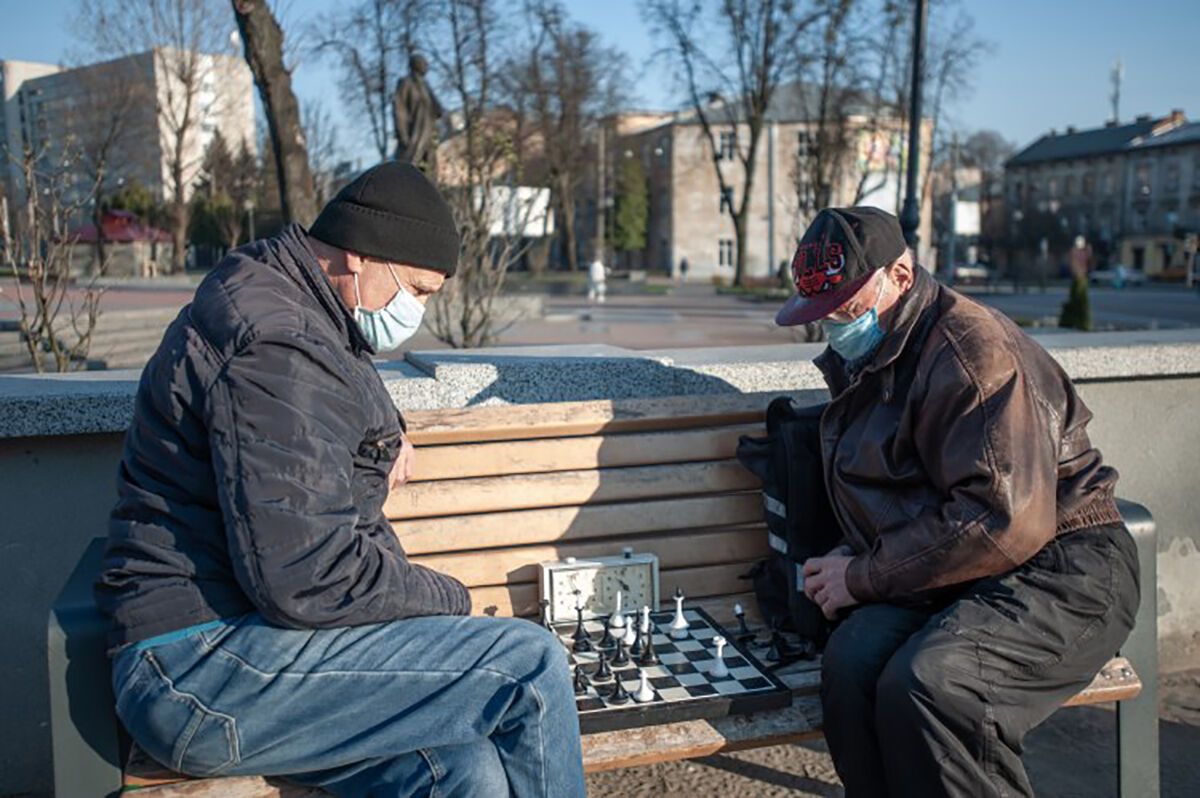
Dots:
pixel 607 640
pixel 778 650
pixel 545 605
pixel 603 672
pixel 580 633
pixel 743 633
pixel 581 681
pixel 648 655
pixel 582 645
pixel 620 657
pixel 619 694
pixel 636 648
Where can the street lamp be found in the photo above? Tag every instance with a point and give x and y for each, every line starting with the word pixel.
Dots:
pixel 910 216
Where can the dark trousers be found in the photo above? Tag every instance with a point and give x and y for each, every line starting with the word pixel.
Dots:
pixel 936 700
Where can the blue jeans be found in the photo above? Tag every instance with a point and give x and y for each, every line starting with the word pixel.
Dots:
pixel 425 706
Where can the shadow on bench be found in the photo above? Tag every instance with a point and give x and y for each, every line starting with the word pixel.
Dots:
pixel 499 489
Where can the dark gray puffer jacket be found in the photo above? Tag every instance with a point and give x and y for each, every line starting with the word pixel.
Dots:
pixel 255 471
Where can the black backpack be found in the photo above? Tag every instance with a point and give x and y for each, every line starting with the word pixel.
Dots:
pixel 800 520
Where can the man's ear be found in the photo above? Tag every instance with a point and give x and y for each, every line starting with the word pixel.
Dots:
pixel 354 262
pixel 902 275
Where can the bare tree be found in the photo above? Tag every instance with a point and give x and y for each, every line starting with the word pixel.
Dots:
pixel 731 56
pixel 56 322
pixel 323 151
pixel 263 42
pixel 481 169
pixel 183 36
pixel 372 39
pixel 228 184
pixel 570 81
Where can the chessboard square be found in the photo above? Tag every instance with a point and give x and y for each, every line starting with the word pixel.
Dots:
pixel 698 656
pixel 735 662
pixel 703 632
pixel 702 690
pixel 757 683
pixel 682 667
pixel 660 682
pixel 729 686
pixel 672 658
pixel 662 640
pixel 692 679
pixel 588 704
pixel 693 616
pixel 688 645
pixel 676 693
pixel 743 673
pixel 654 671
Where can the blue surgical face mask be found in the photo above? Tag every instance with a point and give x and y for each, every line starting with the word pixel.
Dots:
pixel 855 340
pixel 390 326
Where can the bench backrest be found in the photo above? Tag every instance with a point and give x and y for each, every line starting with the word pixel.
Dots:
pixel 499 489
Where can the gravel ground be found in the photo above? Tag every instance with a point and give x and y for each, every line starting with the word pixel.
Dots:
pixel 1073 755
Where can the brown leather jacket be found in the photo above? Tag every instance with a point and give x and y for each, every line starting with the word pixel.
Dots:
pixel 958 452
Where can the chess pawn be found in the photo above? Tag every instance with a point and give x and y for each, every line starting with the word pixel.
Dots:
pixel 645 693
pixel 607 640
pixel 744 632
pixel 581 681
pixel 603 672
pixel 619 694
pixel 648 656
pixel 631 632
pixel 580 633
pixel 620 658
pixel 719 669
pixel 545 615
pixel 679 625
pixel 618 617
pixel 635 648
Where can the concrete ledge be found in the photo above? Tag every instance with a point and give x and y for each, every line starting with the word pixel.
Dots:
pixel 89 402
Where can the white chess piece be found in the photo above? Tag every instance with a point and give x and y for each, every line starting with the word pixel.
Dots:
pixel 644 693
pixel 719 669
pixel 618 618
pixel 645 620
pixel 679 624
pixel 631 633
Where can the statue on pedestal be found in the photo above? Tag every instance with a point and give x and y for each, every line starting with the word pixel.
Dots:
pixel 416 110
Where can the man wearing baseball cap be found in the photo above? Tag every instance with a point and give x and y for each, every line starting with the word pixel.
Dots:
pixel 985 574
pixel 265 618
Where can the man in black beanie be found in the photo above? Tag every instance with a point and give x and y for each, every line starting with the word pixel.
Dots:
pixel 265 619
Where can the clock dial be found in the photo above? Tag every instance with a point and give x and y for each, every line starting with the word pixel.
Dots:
pixel 594 583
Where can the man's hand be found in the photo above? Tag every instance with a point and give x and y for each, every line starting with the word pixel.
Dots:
pixel 825 582
pixel 402 469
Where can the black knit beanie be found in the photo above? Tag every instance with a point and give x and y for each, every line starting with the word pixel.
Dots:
pixel 392 212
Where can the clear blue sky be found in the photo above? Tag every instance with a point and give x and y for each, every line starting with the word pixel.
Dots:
pixel 1049 67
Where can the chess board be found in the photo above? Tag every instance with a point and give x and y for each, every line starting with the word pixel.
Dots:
pixel 684 688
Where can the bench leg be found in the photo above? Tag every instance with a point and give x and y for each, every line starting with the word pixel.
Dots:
pixel 1137 720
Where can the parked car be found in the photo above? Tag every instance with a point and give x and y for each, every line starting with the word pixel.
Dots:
pixel 1117 276
pixel 973 273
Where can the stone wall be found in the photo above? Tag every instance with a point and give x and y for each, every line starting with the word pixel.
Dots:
pixel 60 439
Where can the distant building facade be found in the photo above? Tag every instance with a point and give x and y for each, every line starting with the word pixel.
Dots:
pixel 688 216
pixel 13 75
pixel 64 115
pixel 1131 190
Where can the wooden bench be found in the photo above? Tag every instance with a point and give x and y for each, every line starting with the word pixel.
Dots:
pixel 499 489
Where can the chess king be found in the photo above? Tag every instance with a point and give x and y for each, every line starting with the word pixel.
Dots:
pixel 985 574
pixel 265 619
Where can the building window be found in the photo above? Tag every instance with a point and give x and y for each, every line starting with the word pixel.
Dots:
pixel 728 149
pixel 1089 184
pixel 1069 186
pixel 1109 184
pixel 806 144
pixel 725 252
pixel 727 200
pixel 1142 179
pixel 1052 186
pixel 1171 178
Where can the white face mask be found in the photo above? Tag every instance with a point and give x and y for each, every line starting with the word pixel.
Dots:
pixel 393 324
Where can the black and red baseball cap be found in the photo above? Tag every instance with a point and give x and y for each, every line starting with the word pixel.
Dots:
pixel 840 251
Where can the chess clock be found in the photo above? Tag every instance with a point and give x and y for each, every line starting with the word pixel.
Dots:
pixel 597 580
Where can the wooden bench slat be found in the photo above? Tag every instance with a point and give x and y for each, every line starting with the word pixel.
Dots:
pixel 1116 681
pixel 522 422
pixel 685 549
pixel 458 461
pixel 526 527
pixel 706 581
pixel 566 488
